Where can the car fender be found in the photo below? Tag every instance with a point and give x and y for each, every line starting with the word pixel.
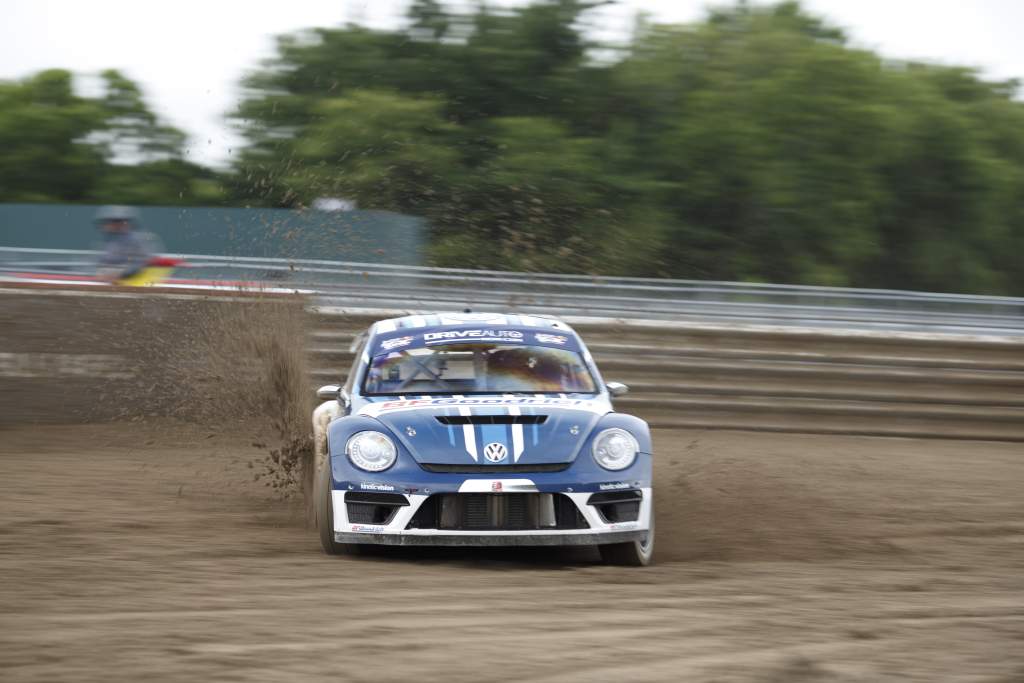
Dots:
pixel 323 415
pixel 631 423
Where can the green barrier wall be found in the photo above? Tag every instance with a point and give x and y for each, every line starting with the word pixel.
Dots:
pixel 372 236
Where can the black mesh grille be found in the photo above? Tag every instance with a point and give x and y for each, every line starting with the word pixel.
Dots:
pixel 498 512
pixel 614 497
pixel 372 508
pixel 617 506
pixel 495 469
pixel 376 498
pixel 474 513
pixel 492 419
pixel 367 513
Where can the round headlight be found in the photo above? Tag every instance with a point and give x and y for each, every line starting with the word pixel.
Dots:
pixel 615 449
pixel 371 451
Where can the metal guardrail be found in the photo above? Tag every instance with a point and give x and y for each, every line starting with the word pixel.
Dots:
pixel 417 288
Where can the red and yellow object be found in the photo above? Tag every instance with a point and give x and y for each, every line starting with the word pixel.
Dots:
pixel 155 271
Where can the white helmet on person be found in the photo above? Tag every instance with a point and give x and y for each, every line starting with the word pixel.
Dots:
pixel 117 214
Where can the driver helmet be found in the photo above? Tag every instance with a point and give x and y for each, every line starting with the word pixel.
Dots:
pixel 111 214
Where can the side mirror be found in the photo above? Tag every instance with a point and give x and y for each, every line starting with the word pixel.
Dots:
pixel 357 341
pixel 328 392
pixel 617 388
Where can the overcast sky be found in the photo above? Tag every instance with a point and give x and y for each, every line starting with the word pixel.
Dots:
pixel 189 55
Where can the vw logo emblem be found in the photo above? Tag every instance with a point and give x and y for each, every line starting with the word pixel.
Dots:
pixel 495 452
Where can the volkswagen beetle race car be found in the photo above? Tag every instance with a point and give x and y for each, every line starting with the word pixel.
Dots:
pixel 480 429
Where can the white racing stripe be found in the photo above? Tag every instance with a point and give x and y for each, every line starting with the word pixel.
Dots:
pixel 468 434
pixel 517 435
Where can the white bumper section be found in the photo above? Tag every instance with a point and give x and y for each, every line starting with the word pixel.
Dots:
pixel 395 533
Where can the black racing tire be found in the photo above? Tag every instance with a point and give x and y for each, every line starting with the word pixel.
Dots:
pixel 325 516
pixel 308 484
pixel 631 553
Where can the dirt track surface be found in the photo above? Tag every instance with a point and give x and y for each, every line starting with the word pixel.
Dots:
pixel 142 553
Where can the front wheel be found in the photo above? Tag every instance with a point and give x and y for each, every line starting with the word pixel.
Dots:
pixel 325 515
pixel 631 553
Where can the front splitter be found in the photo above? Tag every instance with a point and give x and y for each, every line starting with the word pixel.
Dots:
pixel 490 540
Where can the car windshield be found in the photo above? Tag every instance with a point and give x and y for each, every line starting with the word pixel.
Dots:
pixel 478 369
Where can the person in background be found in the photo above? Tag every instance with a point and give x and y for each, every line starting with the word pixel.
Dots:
pixel 126 250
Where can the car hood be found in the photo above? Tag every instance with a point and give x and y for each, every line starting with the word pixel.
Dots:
pixel 490 431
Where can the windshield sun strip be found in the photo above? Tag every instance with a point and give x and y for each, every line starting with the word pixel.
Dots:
pixel 496 394
pixel 424 363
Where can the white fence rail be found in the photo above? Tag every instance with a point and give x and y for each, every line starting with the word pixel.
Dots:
pixel 350 284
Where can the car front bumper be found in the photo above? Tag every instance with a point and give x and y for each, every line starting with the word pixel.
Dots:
pixel 597 530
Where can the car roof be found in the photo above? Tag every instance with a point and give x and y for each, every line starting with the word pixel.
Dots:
pixel 442 320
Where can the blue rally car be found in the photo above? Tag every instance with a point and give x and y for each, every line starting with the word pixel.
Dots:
pixel 480 430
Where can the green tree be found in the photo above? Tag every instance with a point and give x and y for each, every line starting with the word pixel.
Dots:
pixel 428 19
pixel 59 146
pixel 397 152
pixel 131 131
pixel 44 132
pixel 753 145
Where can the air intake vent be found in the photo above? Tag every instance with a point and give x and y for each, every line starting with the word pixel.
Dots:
pixel 495 469
pixel 617 506
pixel 373 508
pixel 498 512
pixel 492 419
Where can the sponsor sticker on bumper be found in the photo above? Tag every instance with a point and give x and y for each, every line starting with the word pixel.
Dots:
pixel 374 486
